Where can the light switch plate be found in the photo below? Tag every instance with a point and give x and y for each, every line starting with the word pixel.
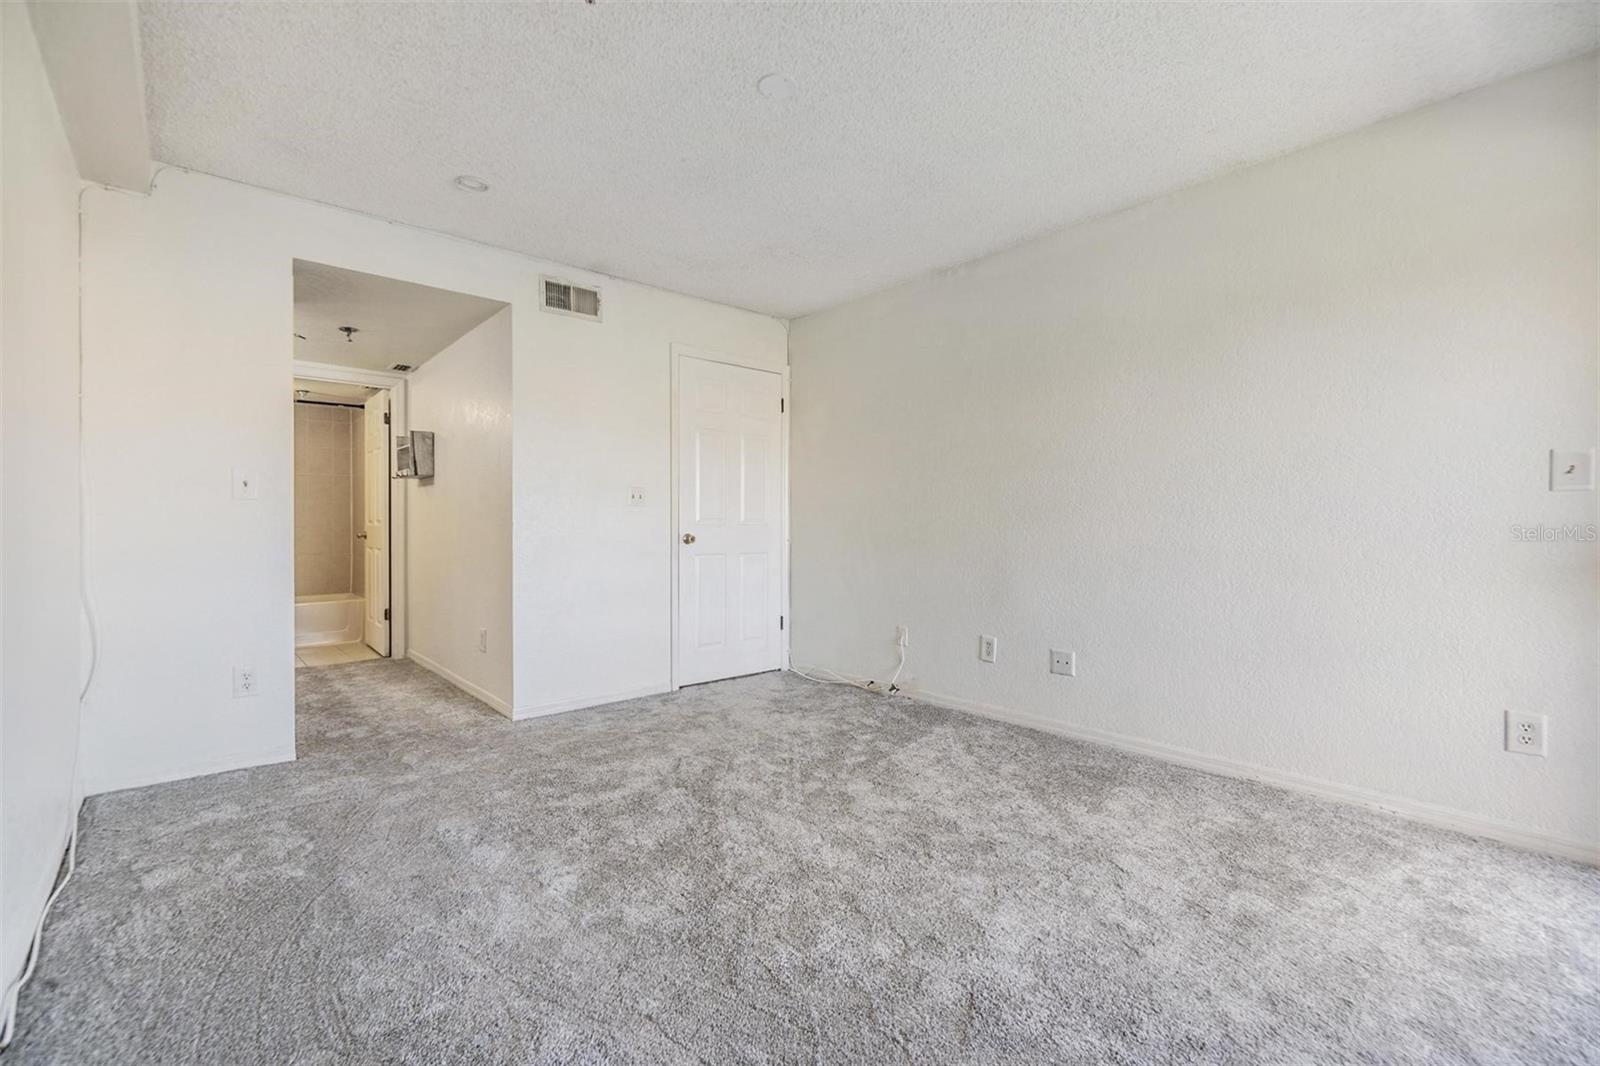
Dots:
pixel 244 485
pixel 1571 471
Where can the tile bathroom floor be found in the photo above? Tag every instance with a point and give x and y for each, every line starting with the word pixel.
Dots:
pixel 331 654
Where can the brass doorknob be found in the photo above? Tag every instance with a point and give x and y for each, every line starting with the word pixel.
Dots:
pixel 688 538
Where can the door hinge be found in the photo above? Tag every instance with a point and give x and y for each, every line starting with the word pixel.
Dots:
pixel 386 418
pixel 386 614
pixel 780 621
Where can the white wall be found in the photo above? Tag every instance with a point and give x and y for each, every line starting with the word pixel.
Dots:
pixel 1255 452
pixel 458 523
pixel 39 559
pixel 594 592
pixel 188 303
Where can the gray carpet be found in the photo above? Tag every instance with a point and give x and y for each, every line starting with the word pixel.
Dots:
pixel 767 870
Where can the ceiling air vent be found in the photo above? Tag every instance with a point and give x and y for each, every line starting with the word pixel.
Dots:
pixel 565 298
pixel 402 367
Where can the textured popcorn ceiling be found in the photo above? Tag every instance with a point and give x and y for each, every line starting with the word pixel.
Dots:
pixel 630 138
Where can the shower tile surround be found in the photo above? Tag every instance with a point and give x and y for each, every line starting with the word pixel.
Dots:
pixel 327 499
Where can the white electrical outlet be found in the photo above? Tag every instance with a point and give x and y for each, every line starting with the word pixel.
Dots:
pixel 636 496
pixel 987 647
pixel 902 637
pixel 1527 734
pixel 1064 663
pixel 246 682
pixel 483 640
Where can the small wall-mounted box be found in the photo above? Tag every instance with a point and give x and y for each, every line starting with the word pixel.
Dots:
pixel 413 454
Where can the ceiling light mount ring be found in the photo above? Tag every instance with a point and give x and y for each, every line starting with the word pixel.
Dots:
pixel 471 183
pixel 776 86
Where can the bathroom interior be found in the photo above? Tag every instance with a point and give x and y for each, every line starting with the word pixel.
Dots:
pixel 330 523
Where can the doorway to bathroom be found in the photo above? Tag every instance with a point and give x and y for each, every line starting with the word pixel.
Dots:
pixel 342 522
pixel 403 444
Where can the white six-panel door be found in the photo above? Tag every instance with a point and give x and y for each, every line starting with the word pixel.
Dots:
pixel 375 499
pixel 730 521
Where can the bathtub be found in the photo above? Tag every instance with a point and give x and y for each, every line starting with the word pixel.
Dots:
pixel 334 618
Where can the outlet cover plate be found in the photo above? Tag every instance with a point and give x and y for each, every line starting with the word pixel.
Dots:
pixel 988 648
pixel 246 682
pixel 1527 734
pixel 1064 663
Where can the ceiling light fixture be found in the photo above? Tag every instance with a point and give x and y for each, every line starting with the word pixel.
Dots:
pixel 776 86
pixel 349 333
pixel 468 183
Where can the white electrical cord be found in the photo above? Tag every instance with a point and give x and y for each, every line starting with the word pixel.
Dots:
pixel 14 993
pixel 8 1030
pixel 856 682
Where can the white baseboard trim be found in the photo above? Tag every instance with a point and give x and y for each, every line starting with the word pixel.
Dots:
pixel 205 767
pixel 477 692
pixel 578 703
pixel 1417 811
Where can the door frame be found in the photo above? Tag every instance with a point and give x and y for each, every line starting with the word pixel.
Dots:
pixel 679 352
pixel 396 384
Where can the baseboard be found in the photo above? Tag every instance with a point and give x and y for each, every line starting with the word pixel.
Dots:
pixel 1417 811
pixel 220 765
pixel 477 692
pixel 578 703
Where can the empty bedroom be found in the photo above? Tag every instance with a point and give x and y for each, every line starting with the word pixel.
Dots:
pixel 598 532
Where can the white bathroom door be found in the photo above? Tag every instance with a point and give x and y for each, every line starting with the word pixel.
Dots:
pixel 730 521
pixel 375 496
